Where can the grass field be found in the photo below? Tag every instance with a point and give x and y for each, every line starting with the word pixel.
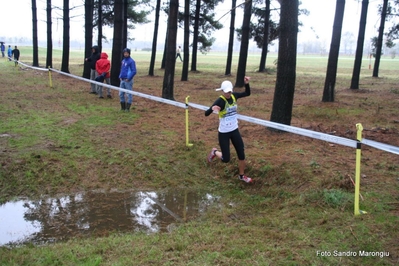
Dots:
pixel 299 211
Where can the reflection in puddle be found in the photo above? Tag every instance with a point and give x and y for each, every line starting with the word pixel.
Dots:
pixel 97 214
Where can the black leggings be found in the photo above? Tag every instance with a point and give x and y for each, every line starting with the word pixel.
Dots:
pixel 238 143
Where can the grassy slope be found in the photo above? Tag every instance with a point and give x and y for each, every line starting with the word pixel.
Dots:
pixel 65 140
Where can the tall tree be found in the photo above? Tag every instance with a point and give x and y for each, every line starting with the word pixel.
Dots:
pixel 154 39
pixel 117 45
pixel 195 35
pixel 34 34
pixel 89 7
pixel 329 85
pixel 125 20
pixel 286 64
pixel 380 39
pixel 359 47
pixel 265 42
pixel 65 34
pixel 49 56
pixel 186 43
pixel 100 26
pixel 242 60
pixel 231 39
pixel 170 62
pixel 204 23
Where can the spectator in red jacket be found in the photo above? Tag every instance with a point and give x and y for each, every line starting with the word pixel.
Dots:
pixel 103 66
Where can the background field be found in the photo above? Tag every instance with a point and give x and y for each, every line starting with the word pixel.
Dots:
pixel 65 140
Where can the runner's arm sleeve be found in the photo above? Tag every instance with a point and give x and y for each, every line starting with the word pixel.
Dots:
pixel 246 93
pixel 219 102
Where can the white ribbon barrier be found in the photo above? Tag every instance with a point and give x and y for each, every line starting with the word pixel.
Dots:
pixel 25 65
pixel 142 95
pixel 381 146
pixel 282 127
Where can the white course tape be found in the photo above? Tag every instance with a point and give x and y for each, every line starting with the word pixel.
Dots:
pixel 301 131
pixel 37 68
pixel 381 146
pixel 142 95
pixel 295 130
pixel 287 128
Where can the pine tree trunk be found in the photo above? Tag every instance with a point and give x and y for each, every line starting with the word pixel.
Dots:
pixel 65 43
pixel 242 61
pixel 265 46
pixel 286 65
pixel 329 85
pixel 34 35
pixel 170 62
pixel 379 40
pixel 186 53
pixel 154 39
pixel 117 44
pixel 49 56
pixel 231 39
pixel 359 47
pixel 89 5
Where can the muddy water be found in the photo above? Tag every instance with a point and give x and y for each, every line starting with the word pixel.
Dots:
pixel 56 219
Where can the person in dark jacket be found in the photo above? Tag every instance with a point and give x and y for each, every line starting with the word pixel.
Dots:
pixel 128 71
pixel 95 55
pixel 16 54
pixel 3 49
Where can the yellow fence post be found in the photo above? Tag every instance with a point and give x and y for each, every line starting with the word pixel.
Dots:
pixel 187 138
pixel 50 78
pixel 359 129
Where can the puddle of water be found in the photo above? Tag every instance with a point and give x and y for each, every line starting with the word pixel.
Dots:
pixel 49 220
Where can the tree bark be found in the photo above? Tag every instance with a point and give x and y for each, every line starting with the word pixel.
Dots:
pixel 49 56
pixel 88 35
pixel 265 46
pixel 154 39
pixel 170 62
pixel 117 43
pixel 100 26
pixel 329 85
pixel 186 53
pixel 242 60
pixel 359 47
pixel 34 35
pixel 379 40
pixel 231 39
pixel 286 65
pixel 65 43
pixel 195 36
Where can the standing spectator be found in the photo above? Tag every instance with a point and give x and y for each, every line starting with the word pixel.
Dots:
pixel 178 51
pixel 3 49
pixel 128 71
pixel 16 54
pixel 95 55
pixel 103 67
pixel 9 53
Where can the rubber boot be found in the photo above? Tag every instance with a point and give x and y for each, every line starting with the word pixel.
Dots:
pixel 123 106
pixel 128 107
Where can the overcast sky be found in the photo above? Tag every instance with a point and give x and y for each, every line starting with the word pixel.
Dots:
pixel 16 21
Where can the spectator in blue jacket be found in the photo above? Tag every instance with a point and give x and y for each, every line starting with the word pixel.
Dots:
pixel 128 71
pixel 9 52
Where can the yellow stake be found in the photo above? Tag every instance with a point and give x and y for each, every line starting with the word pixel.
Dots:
pixel 49 77
pixel 187 139
pixel 359 128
